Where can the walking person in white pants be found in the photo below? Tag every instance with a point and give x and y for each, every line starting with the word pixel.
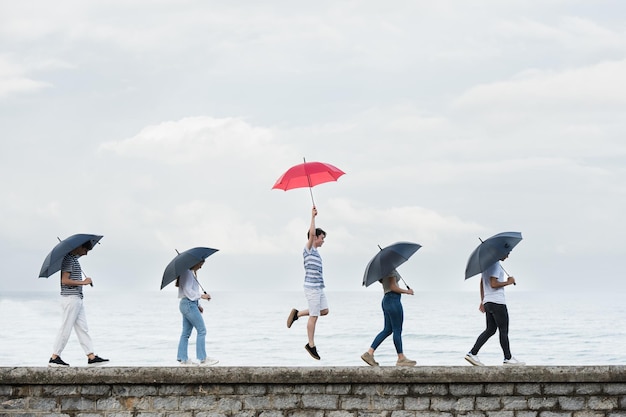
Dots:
pixel 74 316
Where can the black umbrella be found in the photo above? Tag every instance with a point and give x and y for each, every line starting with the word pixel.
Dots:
pixel 184 261
pixel 387 260
pixel 53 261
pixel 491 251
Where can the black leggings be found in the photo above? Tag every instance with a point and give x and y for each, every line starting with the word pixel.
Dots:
pixel 497 319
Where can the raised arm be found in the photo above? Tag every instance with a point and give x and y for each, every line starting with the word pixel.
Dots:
pixel 309 243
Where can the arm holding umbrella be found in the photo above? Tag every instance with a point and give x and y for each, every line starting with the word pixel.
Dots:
pixel 185 284
pixel 396 288
pixel 65 280
pixel 494 283
pixel 311 234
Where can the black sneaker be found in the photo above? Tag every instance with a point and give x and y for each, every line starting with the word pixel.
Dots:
pixel 57 362
pixel 293 316
pixel 312 351
pixel 96 361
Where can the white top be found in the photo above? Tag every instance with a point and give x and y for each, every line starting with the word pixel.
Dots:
pixel 493 295
pixel 188 286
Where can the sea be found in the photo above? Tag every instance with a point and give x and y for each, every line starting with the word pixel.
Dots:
pixel 249 328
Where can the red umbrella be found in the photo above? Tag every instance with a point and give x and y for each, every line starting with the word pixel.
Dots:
pixel 308 174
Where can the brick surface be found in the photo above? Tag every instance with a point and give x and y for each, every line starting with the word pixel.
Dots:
pixel 461 390
pixel 416 403
pixel 488 403
pixel 572 403
pixel 500 389
pixel 602 403
pixel 393 392
pixel 514 403
pixel 429 389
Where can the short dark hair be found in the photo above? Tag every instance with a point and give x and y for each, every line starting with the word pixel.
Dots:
pixel 87 245
pixel 318 232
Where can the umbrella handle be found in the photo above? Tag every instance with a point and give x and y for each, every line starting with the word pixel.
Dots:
pixel 85 275
pixel 196 278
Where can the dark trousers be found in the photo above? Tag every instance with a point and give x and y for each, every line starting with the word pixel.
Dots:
pixel 394 316
pixel 497 317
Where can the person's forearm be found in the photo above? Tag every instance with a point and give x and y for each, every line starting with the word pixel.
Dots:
pixel 72 282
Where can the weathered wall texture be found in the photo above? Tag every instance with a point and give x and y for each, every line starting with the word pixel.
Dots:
pixel 596 391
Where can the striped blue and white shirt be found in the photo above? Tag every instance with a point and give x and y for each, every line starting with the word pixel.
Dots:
pixel 313 277
pixel 70 264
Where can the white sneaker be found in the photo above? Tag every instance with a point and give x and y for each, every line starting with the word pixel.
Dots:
pixel 188 363
pixel 208 362
pixel 473 359
pixel 513 362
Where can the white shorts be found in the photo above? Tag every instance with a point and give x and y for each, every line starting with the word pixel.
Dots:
pixel 316 299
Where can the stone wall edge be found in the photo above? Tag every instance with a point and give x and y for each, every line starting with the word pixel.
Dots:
pixel 309 375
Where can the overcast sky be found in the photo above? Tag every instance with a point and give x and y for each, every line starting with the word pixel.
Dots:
pixel 163 125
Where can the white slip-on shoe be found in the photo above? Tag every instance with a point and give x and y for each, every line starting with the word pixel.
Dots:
pixel 513 362
pixel 473 359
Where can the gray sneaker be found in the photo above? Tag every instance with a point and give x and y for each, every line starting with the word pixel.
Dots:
pixel 208 362
pixel 405 362
pixel 473 359
pixel 369 359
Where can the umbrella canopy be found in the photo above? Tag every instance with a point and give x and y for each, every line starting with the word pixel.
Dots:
pixel 184 261
pixel 388 259
pixel 308 174
pixel 491 251
pixel 53 261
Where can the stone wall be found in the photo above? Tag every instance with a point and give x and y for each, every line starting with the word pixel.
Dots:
pixel 595 391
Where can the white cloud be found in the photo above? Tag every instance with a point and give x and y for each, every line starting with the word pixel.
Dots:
pixel 14 79
pixel 576 89
pixel 194 139
pixel 368 224
pixel 572 32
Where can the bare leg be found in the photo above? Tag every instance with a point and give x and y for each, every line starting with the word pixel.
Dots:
pixel 310 330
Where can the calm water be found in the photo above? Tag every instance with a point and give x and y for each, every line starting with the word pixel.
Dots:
pixel 248 329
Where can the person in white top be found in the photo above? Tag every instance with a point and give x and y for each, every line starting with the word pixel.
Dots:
pixel 190 295
pixel 493 304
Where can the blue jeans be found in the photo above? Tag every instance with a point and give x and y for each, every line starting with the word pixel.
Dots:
pixel 394 316
pixel 191 318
